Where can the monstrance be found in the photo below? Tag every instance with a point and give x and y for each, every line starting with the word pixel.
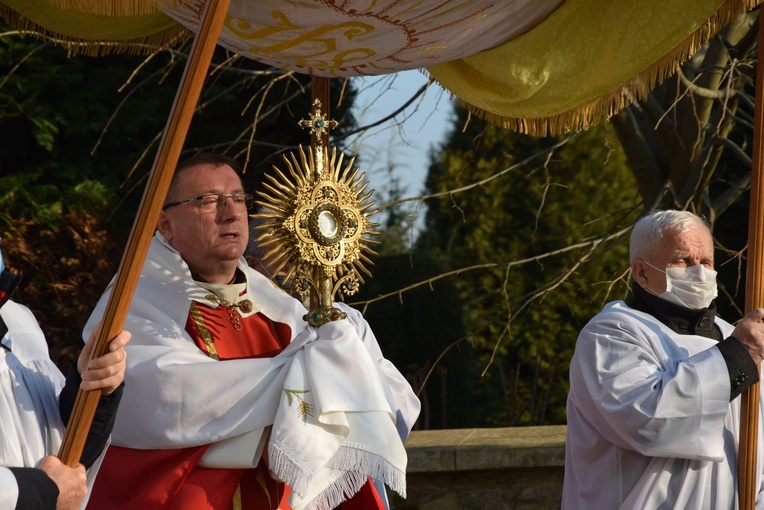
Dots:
pixel 316 224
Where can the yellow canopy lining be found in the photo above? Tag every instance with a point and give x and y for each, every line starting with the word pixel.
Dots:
pixel 93 34
pixel 584 63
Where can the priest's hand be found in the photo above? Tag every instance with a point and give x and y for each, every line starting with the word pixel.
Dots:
pixel 107 372
pixel 71 482
pixel 750 332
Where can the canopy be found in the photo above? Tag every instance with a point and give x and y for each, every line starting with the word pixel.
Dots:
pixel 535 66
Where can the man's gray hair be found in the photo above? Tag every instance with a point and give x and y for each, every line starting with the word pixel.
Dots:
pixel 649 230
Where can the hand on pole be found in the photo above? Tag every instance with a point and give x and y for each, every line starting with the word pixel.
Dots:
pixel 71 482
pixel 750 333
pixel 107 372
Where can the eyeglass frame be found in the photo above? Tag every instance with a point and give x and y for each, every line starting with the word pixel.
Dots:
pixel 248 200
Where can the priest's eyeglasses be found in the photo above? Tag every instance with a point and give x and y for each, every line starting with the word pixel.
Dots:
pixel 214 201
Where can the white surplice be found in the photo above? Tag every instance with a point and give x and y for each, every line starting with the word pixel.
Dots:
pixel 29 386
pixel 650 424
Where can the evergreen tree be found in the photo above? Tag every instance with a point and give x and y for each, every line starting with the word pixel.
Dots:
pixel 523 318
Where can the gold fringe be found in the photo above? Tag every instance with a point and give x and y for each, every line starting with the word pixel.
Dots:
pixel 170 37
pixel 637 88
pixel 111 8
pixel 573 120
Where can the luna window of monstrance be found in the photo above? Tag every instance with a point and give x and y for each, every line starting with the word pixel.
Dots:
pixel 315 226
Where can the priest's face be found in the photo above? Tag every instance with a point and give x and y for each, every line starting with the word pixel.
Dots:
pixel 209 236
pixel 675 249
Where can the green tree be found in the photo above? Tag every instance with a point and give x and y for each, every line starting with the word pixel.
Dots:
pixel 70 119
pixel 525 234
pixel 79 136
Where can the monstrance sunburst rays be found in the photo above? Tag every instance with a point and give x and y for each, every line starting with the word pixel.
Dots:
pixel 316 227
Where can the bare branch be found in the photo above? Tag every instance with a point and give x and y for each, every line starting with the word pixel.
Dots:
pixel 733 192
pixel 456 272
pixel 550 286
pixel 735 148
pixel 516 166
pixel 388 117
pixel 703 92
pixel 20 62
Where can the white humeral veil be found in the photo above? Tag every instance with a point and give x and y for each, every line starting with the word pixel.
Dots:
pixel 327 397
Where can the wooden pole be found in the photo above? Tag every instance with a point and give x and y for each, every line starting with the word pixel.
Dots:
pixel 170 147
pixel 754 295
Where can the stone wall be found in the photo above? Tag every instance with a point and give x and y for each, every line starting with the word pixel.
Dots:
pixel 519 468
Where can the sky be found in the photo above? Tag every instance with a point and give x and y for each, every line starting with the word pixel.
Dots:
pixel 405 142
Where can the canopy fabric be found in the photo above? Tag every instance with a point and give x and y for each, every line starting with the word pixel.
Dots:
pixel 585 62
pixel 367 37
pixel 93 32
pixel 535 66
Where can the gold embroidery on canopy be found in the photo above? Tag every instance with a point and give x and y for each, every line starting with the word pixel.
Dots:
pixel 341 59
pixel 243 28
pixel 321 41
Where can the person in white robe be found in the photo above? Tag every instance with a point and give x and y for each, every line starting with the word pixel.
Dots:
pixel 653 410
pixel 243 410
pixel 35 403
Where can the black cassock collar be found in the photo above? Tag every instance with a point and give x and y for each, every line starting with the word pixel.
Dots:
pixel 680 319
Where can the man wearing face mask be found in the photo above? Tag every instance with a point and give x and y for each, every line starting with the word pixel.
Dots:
pixel 653 410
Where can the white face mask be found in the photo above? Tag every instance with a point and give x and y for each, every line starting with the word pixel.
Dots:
pixel 692 287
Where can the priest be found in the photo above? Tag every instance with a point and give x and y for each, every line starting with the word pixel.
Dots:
pixel 233 396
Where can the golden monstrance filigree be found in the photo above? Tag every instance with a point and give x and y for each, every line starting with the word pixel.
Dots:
pixel 316 227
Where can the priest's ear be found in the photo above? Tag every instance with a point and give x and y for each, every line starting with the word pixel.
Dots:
pixel 164 225
pixel 638 272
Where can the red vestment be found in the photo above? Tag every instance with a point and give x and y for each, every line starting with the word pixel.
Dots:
pixel 134 479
